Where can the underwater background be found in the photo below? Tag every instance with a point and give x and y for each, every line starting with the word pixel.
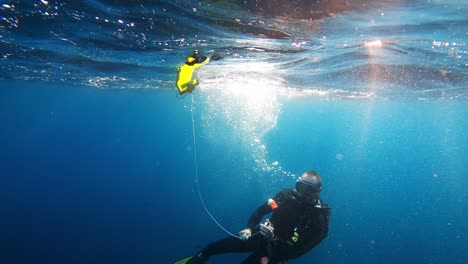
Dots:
pixel 97 154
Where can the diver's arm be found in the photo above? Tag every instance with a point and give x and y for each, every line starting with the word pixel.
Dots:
pixel 204 62
pixel 258 215
pixel 266 208
pixel 255 218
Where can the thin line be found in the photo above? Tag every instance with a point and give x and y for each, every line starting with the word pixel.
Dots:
pixel 196 174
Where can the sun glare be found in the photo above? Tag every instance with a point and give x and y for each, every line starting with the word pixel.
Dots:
pixel 254 84
pixel 374 44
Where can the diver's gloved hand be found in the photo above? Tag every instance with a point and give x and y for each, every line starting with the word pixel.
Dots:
pixel 216 57
pixel 245 234
pixel 267 230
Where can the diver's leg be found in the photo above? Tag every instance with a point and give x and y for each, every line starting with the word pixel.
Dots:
pixel 251 259
pixel 227 245
pixel 192 85
pixel 232 245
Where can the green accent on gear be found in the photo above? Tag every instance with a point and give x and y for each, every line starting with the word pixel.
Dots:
pixel 294 239
pixel 185 260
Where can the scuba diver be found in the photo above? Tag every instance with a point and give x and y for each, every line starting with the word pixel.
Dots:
pixel 299 221
pixel 185 81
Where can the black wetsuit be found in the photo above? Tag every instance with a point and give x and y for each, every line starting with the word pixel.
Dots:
pixel 298 227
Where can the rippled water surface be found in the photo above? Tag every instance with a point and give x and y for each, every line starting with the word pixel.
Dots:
pixel 391 49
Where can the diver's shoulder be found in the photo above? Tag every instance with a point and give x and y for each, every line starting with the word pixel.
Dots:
pixel 288 192
pixel 286 195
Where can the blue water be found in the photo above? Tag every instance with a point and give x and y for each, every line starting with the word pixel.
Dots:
pixel 97 153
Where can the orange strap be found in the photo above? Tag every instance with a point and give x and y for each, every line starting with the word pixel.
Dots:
pixel 272 204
